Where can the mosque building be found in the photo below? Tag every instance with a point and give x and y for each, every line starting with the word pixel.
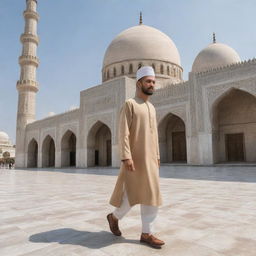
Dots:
pixel 208 119
pixel 7 149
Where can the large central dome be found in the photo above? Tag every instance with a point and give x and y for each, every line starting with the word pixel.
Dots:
pixel 141 42
pixel 139 46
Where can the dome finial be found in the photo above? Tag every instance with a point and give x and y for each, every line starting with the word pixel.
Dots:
pixel 214 38
pixel 140 18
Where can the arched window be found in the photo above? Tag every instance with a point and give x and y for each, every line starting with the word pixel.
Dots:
pixel 108 74
pixel 153 66
pixel 174 72
pixel 122 70
pixel 161 69
pixel 114 72
pixel 130 69
pixel 168 70
pixel 139 65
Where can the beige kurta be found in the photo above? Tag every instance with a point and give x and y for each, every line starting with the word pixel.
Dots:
pixel 138 140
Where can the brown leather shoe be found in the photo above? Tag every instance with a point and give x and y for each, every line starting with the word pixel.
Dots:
pixel 113 225
pixel 151 240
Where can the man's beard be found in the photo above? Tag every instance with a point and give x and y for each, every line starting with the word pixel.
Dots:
pixel 146 91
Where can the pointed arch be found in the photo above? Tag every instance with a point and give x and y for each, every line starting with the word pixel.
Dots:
pixel 162 69
pixel 99 145
pixel 32 156
pixel 223 93
pixel 233 121
pixel 48 152
pixel 172 139
pixel 130 69
pixel 122 69
pixel 174 72
pixel 68 149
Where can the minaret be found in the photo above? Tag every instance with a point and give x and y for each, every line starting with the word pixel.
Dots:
pixel 27 86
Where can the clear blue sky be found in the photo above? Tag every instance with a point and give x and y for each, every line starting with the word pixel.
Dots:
pixel 74 35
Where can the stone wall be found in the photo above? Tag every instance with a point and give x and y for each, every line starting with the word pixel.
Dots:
pixel 203 107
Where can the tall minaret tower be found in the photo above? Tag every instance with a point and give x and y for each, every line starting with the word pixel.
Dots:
pixel 27 86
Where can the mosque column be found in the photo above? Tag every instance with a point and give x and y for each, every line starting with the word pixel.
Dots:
pixel 115 156
pixel 205 148
pixel 40 161
pixel 205 138
pixel 58 159
pixel 115 146
pixel 27 85
pixel 58 153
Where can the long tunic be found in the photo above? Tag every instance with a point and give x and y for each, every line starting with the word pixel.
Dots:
pixel 138 140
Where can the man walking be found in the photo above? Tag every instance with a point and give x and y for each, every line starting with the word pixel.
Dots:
pixel 138 180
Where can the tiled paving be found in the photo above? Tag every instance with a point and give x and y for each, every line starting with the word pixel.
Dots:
pixel 207 211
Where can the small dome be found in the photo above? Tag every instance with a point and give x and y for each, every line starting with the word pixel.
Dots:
pixel 4 138
pixel 139 43
pixel 213 56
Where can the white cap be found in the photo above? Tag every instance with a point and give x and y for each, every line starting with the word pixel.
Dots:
pixel 144 71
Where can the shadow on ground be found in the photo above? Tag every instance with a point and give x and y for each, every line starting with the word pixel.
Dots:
pixel 93 240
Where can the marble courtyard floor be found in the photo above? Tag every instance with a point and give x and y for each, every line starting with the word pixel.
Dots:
pixel 207 211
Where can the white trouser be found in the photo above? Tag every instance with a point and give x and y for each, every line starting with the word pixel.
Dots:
pixel 148 214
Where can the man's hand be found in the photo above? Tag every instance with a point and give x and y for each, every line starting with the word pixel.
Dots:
pixel 129 166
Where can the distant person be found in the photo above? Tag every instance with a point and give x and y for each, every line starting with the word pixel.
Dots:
pixel 138 180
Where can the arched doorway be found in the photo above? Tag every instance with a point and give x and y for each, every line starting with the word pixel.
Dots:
pixel 68 149
pixel 172 139
pixel 99 146
pixel 234 125
pixel 32 154
pixel 48 152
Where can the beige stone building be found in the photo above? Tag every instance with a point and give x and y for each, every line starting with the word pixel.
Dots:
pixel 210 118
pixel 7 149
